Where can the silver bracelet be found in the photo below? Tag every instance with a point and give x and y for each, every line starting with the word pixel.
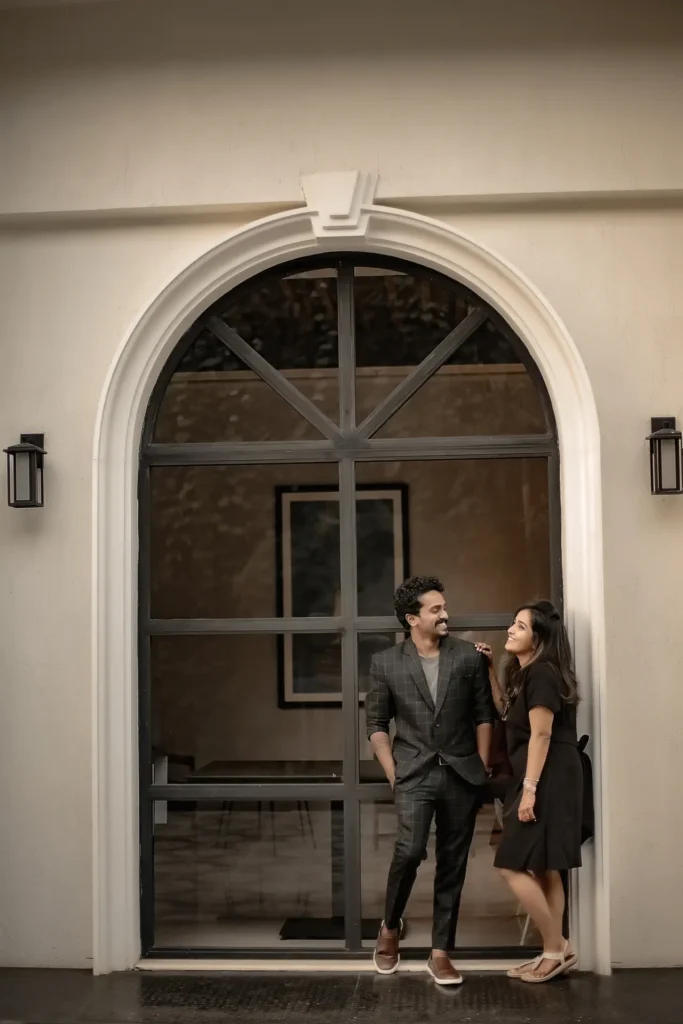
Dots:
pixel 530 785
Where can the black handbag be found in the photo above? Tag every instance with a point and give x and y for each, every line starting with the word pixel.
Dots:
pixel 588 805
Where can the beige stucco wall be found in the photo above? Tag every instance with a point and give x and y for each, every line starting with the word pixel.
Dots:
pixel 155 106
pixel 166 103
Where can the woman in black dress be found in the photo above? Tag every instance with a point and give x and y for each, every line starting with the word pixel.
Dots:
pixel 542 814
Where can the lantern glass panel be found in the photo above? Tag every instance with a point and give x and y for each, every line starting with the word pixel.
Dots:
pixel 669 464
pixel 22 476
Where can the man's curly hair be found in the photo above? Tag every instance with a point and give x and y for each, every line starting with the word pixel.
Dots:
pixel 407 596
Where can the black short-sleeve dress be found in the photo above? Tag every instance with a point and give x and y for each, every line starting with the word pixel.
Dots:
pixel 553 841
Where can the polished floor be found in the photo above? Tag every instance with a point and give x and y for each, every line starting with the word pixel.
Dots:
pixel 75 997
pixel 230 878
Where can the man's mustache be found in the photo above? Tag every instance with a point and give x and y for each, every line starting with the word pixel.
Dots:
pixel 442 622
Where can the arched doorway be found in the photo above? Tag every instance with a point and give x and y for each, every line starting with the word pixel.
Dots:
pixel 319 432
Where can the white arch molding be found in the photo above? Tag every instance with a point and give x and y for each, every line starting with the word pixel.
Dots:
pixel 339 215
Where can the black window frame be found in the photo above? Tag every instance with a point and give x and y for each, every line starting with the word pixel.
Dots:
pixel 346 444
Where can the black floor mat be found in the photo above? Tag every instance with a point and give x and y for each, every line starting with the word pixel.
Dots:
pixel 318 929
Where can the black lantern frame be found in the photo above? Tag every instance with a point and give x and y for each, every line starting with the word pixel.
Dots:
pixel 25 463
pixel 666 456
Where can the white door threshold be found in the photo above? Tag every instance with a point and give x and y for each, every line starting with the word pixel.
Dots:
pixel 311 966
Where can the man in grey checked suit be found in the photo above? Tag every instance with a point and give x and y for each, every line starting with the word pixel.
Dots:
pixel 437 691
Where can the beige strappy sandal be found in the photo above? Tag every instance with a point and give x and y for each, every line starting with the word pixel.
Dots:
pixel 565 962
pixel 530 965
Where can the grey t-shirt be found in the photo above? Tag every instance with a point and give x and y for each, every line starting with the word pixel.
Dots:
pixel 431 671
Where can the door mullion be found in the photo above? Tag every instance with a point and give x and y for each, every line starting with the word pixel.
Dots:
pixel 347 349
pixel 348 575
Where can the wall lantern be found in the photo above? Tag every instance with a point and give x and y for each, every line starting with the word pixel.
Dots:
pixel 25 472
pixel 666 476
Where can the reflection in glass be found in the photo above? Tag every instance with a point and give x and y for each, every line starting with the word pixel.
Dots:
pixel 473 393
pixel 480 526
pixel 249 875
pixel 483 388
pixel 400 318
pixel 214 396
pixel 223 702
pixel 217 545
pixel 292 323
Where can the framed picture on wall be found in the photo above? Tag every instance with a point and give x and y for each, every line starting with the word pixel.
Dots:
pixel 309 584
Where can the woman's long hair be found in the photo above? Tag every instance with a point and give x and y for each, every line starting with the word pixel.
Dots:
pixel 551 646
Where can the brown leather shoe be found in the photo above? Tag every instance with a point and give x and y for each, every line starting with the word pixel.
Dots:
pixel 442 970
pixel 386 956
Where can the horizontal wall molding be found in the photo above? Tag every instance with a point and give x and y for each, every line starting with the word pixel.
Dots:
pixel 513 202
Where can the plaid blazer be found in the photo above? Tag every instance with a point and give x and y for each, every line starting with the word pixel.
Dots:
pixel 425 729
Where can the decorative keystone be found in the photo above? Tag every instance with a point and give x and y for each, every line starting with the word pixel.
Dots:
pixel 339 202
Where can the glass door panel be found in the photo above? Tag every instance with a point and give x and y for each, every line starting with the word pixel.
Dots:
pixel 255 835
pixel 481 526
pixel 261 874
